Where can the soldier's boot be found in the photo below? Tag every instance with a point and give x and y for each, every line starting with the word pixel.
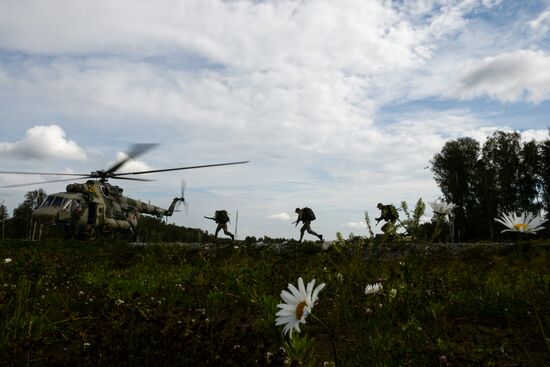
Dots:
pixel 232 237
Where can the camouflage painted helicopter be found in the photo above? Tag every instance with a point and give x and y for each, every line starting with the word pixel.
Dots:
pixel 97 208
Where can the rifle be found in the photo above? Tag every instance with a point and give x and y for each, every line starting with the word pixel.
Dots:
pixel 214 219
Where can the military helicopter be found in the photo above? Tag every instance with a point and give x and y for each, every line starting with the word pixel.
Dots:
pixel 96 208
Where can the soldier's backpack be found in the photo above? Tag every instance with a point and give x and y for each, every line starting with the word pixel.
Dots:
pixel 394 215
pixel 221 216
pixel 307 214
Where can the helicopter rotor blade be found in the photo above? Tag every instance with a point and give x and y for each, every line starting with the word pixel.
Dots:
pixel 42 182
pixel 43 173
pixel 179 168
pixel 130 178
pixel 135 150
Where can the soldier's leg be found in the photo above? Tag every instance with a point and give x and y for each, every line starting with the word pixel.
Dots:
pixel 227 233
pixel 385 227
pixel 302 231
pixel 392 227
pixel 310 231
pixel 218 228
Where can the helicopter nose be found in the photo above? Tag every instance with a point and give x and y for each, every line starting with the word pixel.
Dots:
pixel 44 215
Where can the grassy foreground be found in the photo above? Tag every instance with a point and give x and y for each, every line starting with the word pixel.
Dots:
pixel 105 303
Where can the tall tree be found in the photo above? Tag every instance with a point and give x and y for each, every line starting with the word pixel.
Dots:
pixel 22 220
pixel 545 173
pixel 501 171
pixel 530 181
pixel 3 220
pixel 501 157
pixel 455 169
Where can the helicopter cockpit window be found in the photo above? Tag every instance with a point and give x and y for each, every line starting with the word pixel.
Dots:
pixel 57 202
pixel 54 201
pixel 67 204
pixel 48 201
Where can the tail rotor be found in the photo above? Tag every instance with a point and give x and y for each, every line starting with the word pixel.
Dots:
pixel 182 198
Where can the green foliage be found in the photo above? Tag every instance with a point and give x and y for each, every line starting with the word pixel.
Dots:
pixel 412 223
pixel 369 225
pixel 505 175
pixel 21 223
pixel 300 349
pixel 64 303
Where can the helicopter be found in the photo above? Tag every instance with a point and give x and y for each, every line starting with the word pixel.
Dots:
pixel 97 208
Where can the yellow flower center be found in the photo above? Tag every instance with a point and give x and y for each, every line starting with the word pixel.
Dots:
pixel 521 227
pixel 300 310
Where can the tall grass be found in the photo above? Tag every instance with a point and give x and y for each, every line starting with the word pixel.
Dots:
pixel 110 303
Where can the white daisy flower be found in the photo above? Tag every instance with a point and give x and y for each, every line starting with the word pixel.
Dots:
pixel 373 288
pixel 298 304
pixel 441 207
pixel 7 260
pixel 525 222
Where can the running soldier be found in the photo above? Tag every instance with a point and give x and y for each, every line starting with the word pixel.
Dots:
pixel 306 216
pixel 390 215
pixel 221 218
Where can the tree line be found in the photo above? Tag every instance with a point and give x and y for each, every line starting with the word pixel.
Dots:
pixel 503 175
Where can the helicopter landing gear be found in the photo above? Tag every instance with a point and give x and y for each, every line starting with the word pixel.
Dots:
pixel 87 232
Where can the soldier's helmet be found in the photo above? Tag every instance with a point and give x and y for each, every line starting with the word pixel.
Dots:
pixel 379 205
pixel 297 210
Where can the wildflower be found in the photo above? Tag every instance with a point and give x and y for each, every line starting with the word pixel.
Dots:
pixel 526 222
pixel 340 277
pixel 119 302
pixel 441 207
pixel 298 304
pixel 393 293
pixel 373 288
pixel 7 260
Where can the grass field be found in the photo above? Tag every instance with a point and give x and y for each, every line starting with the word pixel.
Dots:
pixel 113 303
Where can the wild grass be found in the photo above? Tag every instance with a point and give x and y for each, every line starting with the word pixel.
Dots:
pixel 112 303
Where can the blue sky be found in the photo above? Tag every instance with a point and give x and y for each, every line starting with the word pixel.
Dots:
pixel 338 105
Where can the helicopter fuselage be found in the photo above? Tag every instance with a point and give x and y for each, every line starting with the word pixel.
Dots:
pixel 95 208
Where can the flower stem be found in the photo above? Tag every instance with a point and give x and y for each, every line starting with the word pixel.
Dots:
pixel 436 230
pixel 330 337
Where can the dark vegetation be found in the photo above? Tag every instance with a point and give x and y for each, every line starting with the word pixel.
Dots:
pixel 109 303
pixel 502 176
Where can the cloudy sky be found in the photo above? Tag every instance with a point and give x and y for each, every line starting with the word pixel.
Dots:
pixel 338 104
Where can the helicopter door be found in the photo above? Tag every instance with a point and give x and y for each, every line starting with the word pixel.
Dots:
pixel 92 213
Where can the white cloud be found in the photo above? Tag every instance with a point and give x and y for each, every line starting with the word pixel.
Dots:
pixel 491 3
pixel 356 225
pixel 281 216
pixel 507 77
pixel 354 35
pixel 537 135
pixel 541 24
pixel 43 143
